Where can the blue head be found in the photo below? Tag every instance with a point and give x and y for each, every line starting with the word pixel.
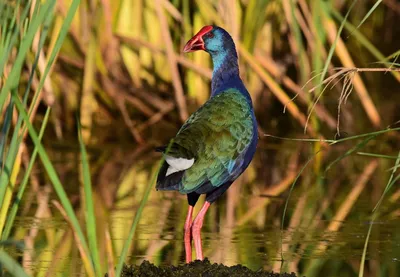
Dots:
pixel 217 42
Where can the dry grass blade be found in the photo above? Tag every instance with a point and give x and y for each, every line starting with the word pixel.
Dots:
pixel 111 47
pixel 176 79
pixel 276 90
pixel 395 196
pixel 60 252
pixel 347 61
pixel 137 43
pixel 206 72
pixel 316 221
pixel 156 245
pixel 85 258
pixel 41 213
pixel 296 48
pixel 346 91
pixel 341 71
pixel 393 4
pixel 110 254
pixel 156 117
pixel 349 202
pixel 273 69
pixel 172 10
pixel 128 121
pixel 274 190
pixel 294 223
pixel 348 74
pixel 88 102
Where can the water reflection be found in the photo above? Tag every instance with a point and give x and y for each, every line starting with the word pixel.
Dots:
pixel 160 241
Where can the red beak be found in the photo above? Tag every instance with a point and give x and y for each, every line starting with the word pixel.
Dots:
pixel 197 42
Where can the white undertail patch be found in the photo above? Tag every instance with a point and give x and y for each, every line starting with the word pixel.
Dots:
pixel 177 164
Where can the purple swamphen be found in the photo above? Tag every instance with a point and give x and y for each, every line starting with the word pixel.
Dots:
pixel 216 144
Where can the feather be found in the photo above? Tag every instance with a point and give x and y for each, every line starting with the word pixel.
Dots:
pixel 177 164
pixel 170 182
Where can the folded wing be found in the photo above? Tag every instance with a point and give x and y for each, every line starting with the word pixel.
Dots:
pixel 209 149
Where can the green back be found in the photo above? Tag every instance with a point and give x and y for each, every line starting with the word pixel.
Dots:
pixel 216 136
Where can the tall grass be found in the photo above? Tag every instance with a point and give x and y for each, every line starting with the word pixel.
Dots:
pixel 119 66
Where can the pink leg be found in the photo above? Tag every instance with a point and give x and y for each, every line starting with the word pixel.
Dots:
pixel 188 235
pixel 196 228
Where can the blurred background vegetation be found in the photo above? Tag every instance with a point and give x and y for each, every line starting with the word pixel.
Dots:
pixel 116 69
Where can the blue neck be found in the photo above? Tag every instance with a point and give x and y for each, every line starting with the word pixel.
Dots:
pixel 226 72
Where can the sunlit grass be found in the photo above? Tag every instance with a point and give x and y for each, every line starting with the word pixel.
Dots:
pixel 118 65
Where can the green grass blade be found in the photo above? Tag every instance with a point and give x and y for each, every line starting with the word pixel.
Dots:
pixel 359 37
pixel 138 215
pixel 39 148
pixel 254 18
pixel 52 174
pixel 333 46
pixel 9 38
pixel 23 50
pixel 299 40
pixel 4 132
pixel 351 151
pixel 368 134
pixel 364 41
pixel 132 231
pixel 336 141
pixel 375 215
pixel 9 163
pixel 89 206
pixel 15 206
pixel 46 18
pixel 394 167
pixel 377 155
pixel 57 46
pixel 41 42
pixel 288 197
pixel 302 139
pixel 394 55
pixel 369 13
pixel 16 139
pixel 11 265
pixel 2 4
pixel 390 183
pixel 4 15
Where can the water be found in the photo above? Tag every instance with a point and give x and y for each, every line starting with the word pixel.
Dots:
pixel 305 245
pixel 159 239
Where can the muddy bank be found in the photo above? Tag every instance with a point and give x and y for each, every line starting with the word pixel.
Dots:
pixel 196 269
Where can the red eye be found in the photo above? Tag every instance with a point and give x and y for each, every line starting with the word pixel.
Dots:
pixel 209 35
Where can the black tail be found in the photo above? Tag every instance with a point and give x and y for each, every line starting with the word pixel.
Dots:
pixel 170 182
pixel 160 148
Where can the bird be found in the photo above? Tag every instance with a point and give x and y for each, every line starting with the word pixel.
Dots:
pixel 217 142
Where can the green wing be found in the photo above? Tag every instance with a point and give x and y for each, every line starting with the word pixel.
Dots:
pixel 215 136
